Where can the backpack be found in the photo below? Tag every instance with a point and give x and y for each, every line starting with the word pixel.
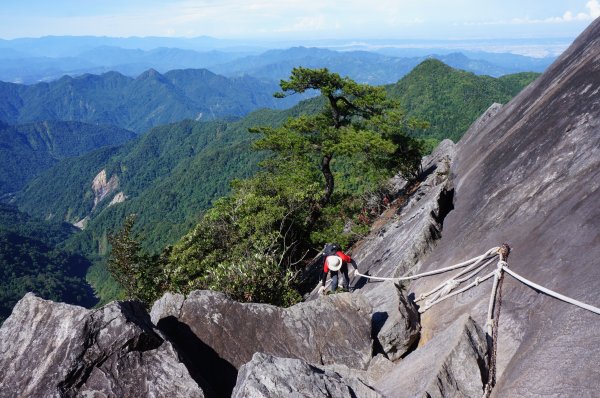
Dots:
pixel 330 249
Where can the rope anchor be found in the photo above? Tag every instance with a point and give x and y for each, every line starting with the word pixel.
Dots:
pixel 475 265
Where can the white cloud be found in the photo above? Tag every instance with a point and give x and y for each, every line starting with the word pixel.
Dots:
pixel 306 24
pixel 594 8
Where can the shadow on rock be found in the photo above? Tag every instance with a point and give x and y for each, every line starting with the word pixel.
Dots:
pixel 201 360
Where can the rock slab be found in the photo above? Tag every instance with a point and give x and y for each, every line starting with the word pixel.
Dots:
pixel 530 176
pixel 266 376
pixel 395 320
pixel 332 330
pixel 453 364
pixel 397 247
pixel 58 350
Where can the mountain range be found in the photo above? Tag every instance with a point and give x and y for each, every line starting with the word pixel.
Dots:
pixel 137 104
pixel 475 316
pixel 29 62
pixel 171 174
pixel 370 67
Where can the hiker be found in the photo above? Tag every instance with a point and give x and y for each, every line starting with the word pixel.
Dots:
pixel 335 260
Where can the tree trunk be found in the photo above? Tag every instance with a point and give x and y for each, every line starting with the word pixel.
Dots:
pixel 328 180
pixel 329 185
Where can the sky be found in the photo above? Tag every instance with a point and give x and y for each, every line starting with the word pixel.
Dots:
pixel 299 19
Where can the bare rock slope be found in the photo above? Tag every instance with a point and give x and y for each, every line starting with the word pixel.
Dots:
pixel 454 364
pixel 334 330
pixel 59 350
pixel 530 176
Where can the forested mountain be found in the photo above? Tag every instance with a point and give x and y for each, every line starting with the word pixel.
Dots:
pixel 452 99
pixel 174 172
pixel 171 175
pixel 137 104
pixel 31 262
pixel 167 177
pixel 28 149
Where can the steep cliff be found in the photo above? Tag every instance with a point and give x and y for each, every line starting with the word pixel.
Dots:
pixel 530 177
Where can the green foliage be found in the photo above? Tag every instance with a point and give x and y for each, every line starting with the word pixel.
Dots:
pixel 250 243
pixel 358 122
pixel 251 234
pixel 31 261
pixel 29 149
pixel 136 272
pixel 138 104
pixel 105 286
pixel 254 279
pixel 452 99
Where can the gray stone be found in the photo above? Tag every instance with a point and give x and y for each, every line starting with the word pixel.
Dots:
pixel 397 247
pixel 266 376
pixel 453 364
pixel 333 329
pixel 378 368
pixel 395 320
pixel 51 349
pixel 531 177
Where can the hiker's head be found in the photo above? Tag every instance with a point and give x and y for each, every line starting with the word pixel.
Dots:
pixel 334 263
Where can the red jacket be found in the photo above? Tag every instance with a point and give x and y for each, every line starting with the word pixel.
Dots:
pixel 345 260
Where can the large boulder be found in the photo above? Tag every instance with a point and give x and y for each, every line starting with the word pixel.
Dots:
pixel 52 349
pixel 395 320
pixel 453 364
pixel 334 329
pixel 266 376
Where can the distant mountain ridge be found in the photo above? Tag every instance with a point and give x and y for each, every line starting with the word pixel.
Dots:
pixel 369 67
pixel 378 66
pixel 137 104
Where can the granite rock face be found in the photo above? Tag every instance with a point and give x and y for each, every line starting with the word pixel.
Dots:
pixel 266 376
pixel 395 321
pixel 398 246
pixel 334 329
pixel 453 364
pixel 51 349
pixel 530 176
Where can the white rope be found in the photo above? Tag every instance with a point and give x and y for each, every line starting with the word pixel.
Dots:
pixel 450 284
pixel 470 285
pixel 434 272
pixel 490 315
pixel 549 292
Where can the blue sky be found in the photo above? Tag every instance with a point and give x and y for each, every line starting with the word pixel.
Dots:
pixel 299 19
